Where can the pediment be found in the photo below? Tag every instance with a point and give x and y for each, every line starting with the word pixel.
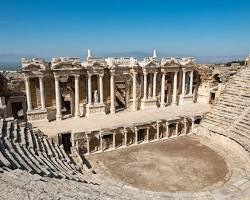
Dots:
pixel 151 64
pixel 34 64
pixel 65 66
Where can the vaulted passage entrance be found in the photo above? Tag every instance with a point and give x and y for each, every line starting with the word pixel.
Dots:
pixel 66 142
pixel 141 135
pixel 17 107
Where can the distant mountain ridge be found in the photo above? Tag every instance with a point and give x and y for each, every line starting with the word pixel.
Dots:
pixel 13 61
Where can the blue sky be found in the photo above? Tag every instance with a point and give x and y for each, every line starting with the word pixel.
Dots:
pixel 68 28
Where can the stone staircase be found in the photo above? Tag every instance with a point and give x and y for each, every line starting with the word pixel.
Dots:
pixel 20 148
pixel 230 116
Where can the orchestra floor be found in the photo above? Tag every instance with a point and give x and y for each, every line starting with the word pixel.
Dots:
pixel 179 164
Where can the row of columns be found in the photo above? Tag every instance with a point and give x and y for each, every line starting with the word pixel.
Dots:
pixel 112 91
pixel 28 93
pixel 145 87
pixel 191 75
pixel 125 132
pixel 163 83
pixel 100 88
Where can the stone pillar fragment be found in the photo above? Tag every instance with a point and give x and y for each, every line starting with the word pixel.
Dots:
pixel 192 127
pixel 88 148
pixel 28 94
pixel 147 134
pixel 42 92
pixel 136 135
pixel 183 92
pixel 175 88
pixel 101 87
pixel 163 90
pixel 154 85
pixel 125 136
pixel 157 130
pixel 77 98
pixel 145 85
pixel 134 108
pixel 191 82
pixel 112 93
pixel 185 125
pixel 114 140
pixel 58 99
pixel 176 128
pixel 89 89
pixel 167 130
pixel 101 142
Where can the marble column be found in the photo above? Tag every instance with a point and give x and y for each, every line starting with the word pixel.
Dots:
pixel 112 92
pixel 114 140
pixel 175 88
pixel 192 127
pixel 88 149
pixel 58 99
pixel 183 92
pixel 125 136
pixel 101 142
pixel 157 130
pixel 101 87
pixel 167 130
pixel 185 125
pixel 154 85
pixel 42 92
pixel 28 94
pixel 145 85
pixel 89 89
pixel 147 134
pixel 77 98
pixel 191 75
pixel 136 135
pixel 163 90
pixel 134 91
pixel 176 128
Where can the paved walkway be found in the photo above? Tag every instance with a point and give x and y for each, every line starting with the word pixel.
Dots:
pixel 121 119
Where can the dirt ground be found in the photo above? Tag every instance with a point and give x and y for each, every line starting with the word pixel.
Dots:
pixel 179 164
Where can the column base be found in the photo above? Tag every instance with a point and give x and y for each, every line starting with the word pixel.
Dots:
pixel 186 99
pixel 37 114
pixel 58 117
pixel 149 103
pixel 95 109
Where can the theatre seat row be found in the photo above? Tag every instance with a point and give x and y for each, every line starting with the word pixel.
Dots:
pixel 230 115
pixel 20 148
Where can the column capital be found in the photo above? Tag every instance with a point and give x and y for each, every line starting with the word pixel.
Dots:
pixel 56 77
pixel 101 75
pixel 27 78
pixel 112 72
pixel 125 130
pixel 155 73
pixel 101 133
pixel 41 76
pixel 89 74
pixel 133 71
pixel 76 75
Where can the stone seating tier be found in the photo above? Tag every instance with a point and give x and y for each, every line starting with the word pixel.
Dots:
pixel 20 148
pixel 230 116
